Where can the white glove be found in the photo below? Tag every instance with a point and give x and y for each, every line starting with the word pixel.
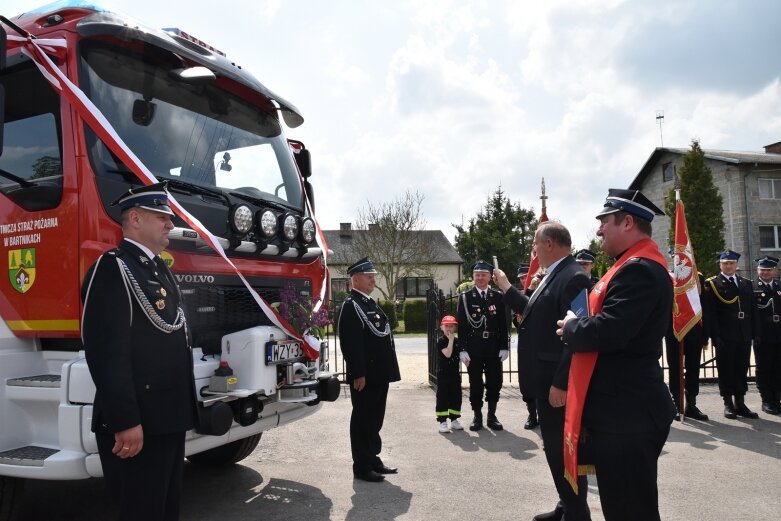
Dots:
pixel 503 354
pixel 464 356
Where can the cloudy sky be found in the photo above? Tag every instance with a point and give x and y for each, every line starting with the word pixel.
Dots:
pixel 455 98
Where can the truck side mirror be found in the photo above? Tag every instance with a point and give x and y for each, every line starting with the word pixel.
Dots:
pixel 304 162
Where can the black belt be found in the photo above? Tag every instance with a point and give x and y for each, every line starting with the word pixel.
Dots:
pixel 485 334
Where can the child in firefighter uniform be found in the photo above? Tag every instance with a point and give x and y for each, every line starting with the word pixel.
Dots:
pixel 448 377
pixel 767 293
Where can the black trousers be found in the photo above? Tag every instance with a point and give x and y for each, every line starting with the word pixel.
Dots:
pixel 448 394
pixel 768 357
pixel 626 467
pixel 552 430
pixel 491 365
pixel 732 361
pixel 149 485
pixel 692 353
pixel 366 423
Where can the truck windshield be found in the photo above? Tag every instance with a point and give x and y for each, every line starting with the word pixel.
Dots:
pixel 198 134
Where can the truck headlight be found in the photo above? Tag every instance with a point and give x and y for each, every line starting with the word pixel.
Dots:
pixel 308 231
pixel 267 223
pixel 288 227
pixel 241 219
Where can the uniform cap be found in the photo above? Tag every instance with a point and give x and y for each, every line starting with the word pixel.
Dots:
pixel 362 266
pixel 767 262
pixel 449 319
pixel 729 255
pixel 585 256
pixel 523 269
pixel 481 265
pixel 152 197
pixel 630 201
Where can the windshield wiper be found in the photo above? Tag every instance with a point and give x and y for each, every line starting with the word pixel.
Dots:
pixel 24 183
pixel 262 202
pixel 180 186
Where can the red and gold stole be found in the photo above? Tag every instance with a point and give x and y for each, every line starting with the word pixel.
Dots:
pixel 582 366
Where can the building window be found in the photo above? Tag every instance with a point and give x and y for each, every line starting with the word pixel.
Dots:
pixel 769 188
pixel 413 287
pixel 769 237
pixel 338 286
pixel 668 172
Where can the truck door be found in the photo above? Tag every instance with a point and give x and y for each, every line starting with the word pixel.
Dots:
pixel 38 207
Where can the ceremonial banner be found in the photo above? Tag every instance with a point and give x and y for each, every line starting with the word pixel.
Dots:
pixel 687 308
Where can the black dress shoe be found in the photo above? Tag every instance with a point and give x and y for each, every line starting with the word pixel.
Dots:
pixel 477 424
pixel 494 424
pixel 369 475
pixel 729 412
pixel 384 469
pixel 742 410
pixel 531 423
pixel 555 515
pixel 769 408
pixel 693 412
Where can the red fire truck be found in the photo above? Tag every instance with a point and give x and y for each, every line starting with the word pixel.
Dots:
pixel 214 133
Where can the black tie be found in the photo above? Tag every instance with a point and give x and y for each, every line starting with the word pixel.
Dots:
pixel 734 281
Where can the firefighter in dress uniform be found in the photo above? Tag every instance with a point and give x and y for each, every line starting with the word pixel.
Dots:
pixel 767 352
pixel 137 350
pixel 484 342
pixel 732 322
pixel 370 354
pixel 586 260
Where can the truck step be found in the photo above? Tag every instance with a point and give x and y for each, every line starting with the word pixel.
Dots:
pixel 40 380
pixel 29 456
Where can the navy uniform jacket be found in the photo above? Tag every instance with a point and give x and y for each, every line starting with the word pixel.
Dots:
pixel 722 303
pixel 627 392
pixel 542 359
pixel 143 375
pixel 482 324
pixel 768 300
pixel 366 340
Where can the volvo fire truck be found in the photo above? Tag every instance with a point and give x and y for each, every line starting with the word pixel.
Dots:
pixel 205 125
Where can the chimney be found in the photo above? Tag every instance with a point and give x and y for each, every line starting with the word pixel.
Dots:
pixel 345 230
pixel 775 148
pixel 372 227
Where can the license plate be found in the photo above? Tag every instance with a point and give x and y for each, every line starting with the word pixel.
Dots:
pixel 283 351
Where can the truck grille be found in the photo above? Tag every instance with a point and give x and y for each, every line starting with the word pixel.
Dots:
pixel 214 310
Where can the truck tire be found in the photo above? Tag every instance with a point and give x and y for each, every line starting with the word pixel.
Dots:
pixel 226 454
pixel 10 492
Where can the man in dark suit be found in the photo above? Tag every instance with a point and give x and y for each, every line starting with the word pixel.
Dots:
pixel 767 294
pixel 732 320
pixel 369 351
pixel 484 342
pixel 616 382
pixel 543 363
pixel 531 403
pixel 138 354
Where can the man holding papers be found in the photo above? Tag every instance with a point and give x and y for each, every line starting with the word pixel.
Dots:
pixel 616 385
pixel 542 360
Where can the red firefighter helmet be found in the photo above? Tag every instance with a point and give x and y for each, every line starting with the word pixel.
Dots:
pixel 449 319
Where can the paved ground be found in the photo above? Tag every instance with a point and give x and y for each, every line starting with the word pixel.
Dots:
pixel 720 470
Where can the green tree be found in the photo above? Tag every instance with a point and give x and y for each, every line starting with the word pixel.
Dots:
pixel 704 209
pixel 502 229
